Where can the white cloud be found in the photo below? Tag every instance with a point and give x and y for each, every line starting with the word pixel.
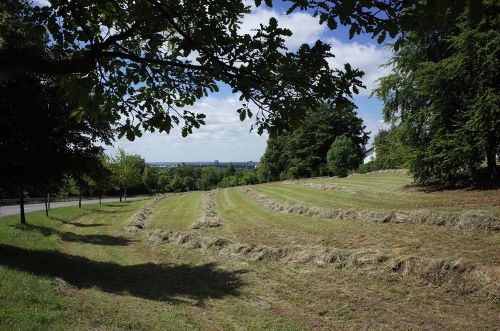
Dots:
pixel 367 57
pixel 223 138
pixel 374 126
pixel 41 3
pixel 306 28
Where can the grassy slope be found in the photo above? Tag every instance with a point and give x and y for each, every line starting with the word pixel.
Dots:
pixel 86 249
pixel 381 191
pixel 177 212
pixel 117 282
pixel 330 298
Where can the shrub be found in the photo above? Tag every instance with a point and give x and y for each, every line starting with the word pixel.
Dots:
pixel 343 156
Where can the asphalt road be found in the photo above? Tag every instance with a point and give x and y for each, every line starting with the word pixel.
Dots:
pixel 14 209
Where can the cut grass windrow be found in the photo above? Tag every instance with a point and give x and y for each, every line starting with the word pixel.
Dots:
pixel 471 221
pixel 141 218
pixel 209 217
pixel 320 186
pixel 454 274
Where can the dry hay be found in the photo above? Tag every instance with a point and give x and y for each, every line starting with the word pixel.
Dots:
pixel 209 217
pixel 141 218
pixel 454 274
pixel 319 186
pixel 382 171
pixel 472 220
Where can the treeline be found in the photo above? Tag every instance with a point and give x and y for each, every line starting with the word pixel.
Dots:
pixel 330 141
pixel 186 177
pixel 441 99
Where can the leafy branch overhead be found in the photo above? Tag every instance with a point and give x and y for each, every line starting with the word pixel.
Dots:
pixel 144 62
pixel 141 63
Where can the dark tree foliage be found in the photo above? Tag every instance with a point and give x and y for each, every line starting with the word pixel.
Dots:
pixel 393 18
pixel 40 140
pixel 185 177
pixel 302 152
pixel 392 149
pixel 444 91
pixel 343 156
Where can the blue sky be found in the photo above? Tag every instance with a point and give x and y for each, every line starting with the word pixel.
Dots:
pixel 225 138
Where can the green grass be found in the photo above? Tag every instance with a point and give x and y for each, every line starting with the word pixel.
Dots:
pixel 381 191
pixel 79 270
pixel 245 222
pixel 177 212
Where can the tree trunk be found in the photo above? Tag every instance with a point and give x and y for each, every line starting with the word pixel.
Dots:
pixel 100 198
pixel 125 193
pixel 121 194
pixel 46 207
pixel 491 158
pixel 492 166
pixel 80 199
pixel 21 206
pixel 48 200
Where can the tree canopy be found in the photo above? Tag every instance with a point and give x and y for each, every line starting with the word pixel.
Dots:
pixel 145 61
pixel 127 170
pixel 343 156
pixel 444 94
pixel 302 152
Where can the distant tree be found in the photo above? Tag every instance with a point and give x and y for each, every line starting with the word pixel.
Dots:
pixel 150 179
pixel 177 184
pixel 102 178
pixel 302 152
pixel 230 171
pixel 209 179
pixel 163 181
pixel 343 156
pixel 127 171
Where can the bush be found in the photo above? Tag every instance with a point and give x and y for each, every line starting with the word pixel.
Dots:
pixel 343 156
pixel 367 167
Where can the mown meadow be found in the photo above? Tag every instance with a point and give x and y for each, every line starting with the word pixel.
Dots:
pixel 246 265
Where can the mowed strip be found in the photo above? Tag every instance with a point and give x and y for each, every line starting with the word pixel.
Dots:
pixel 392 190
pixel 177 212
pixel 381 191
pixel 246 222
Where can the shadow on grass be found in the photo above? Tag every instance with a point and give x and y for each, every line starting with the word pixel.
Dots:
pixel 83 225
pixel 95 239
pixel 117 205
pixel 148 281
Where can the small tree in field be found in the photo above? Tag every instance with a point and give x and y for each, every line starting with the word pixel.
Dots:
pixel 343 156
pixel 127 171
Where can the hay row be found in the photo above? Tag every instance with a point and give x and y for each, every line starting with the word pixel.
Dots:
pixel 140 219
pixel 209 217
pixel 454 274
pixel 472 221
pixel 318 186
pixel 382 171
